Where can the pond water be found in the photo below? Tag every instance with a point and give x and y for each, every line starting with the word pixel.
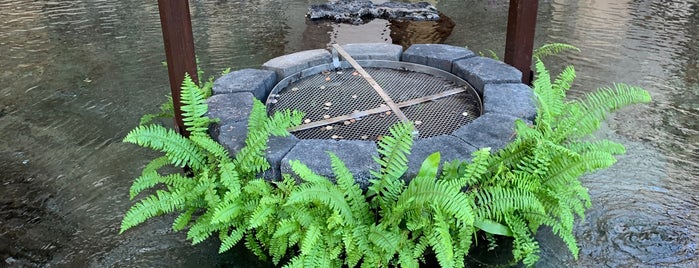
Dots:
pixel 76 76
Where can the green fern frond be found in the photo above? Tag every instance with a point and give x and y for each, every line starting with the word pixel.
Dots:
pixel 310 239
pixel 161 203
pixel 149 177
pixel 182 220
pixel 587 114
pixel 496 202
pixel 393 161
pixel 607 146
pixel 384 240
pixel 206 143
pixel 350 189
pixel 552 49
pixel 441 241
pixel 324 194
pixel 524 248
pixel 181 151
pixel 228 240
pixel 193 107
pixel 478 166
pixel 564 80
pixel 549 102
pixel 167 110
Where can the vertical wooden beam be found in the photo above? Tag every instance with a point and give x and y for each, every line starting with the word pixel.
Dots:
pixel 521 23
pixel 176 24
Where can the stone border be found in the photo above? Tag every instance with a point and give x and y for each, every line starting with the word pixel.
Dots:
pixel 505 99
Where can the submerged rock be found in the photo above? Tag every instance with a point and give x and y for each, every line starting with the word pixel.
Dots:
pixel 362 11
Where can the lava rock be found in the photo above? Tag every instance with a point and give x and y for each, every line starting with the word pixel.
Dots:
pixel 362 11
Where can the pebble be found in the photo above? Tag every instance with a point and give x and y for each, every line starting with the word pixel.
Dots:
pixel 354 96
pixel 335 136
pixel 340 72
pixel 294 89
pixel 322 87
pixel 355 73
pixel 327 78
pixel 328 127
pixel 328 104
pixel 364 137
pixel 388 112
pixel 465 114
pixel 417 122
pixel 326 116
pixel 347 122
pixel 307 121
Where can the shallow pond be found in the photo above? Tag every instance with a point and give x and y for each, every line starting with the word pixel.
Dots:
pixel 76 76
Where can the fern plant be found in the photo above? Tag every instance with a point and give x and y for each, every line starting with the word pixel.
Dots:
pixel 534 180
pixel 214 190
pixel 167 109
pixel 313 221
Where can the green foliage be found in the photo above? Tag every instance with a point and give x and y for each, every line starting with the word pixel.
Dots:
pixel 313 221
pixel 552 49
pixel 167 109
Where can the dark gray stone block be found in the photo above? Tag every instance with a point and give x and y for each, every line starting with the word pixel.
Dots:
pixel 374 51
pixel 449 147
pixel 436 55
pixel 231 135
pixel 357 155
pixel 489 130
pixel 257 82
pixel 512 99
pixel 479 71
pixel 230 107
pixel 293 63
pixel 277 148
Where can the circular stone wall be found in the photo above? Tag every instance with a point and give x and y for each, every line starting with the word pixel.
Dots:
pixel 505 99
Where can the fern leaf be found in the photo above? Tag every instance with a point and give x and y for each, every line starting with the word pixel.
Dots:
pixel 552 49
pixel 182 220
pixel 211 146
pixel 310 239
pixel 181 151
pixel 351 190
pixel 441 241
pixel 193 107
pixel 588 113
pixel 393 163
pixel 564 80
pixel 161 203
pixel 474 170
pixel 149 177
pixel 323 194
pixel 230 240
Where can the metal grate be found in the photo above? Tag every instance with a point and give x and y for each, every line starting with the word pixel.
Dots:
pixel 340 104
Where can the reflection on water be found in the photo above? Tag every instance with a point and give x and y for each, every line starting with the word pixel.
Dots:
pixel 76 75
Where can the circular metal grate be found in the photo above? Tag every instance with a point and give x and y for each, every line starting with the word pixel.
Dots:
pixel 341 104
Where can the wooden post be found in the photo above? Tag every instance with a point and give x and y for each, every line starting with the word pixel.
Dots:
pixel 176 24
pixel 521 23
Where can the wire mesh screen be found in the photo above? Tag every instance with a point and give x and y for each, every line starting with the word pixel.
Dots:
pixel 341 104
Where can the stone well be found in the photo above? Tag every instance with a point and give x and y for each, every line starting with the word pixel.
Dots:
pixel 504 100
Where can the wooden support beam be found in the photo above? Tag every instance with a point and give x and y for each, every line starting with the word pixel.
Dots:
pixel 521 23
pixel 176 24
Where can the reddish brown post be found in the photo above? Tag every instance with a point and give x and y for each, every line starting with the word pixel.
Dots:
pixel 179 50
pixel 521 22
